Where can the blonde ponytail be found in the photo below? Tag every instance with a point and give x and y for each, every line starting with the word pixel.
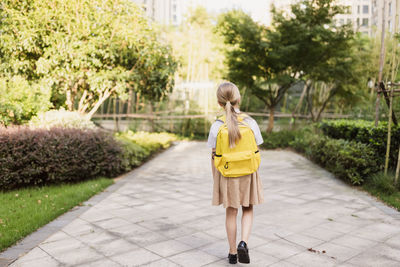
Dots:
pixel 229 96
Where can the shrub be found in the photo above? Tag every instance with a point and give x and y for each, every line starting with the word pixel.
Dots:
pixel 40 156
pixel 20 100
pixel 283 138
pixel 365 132
pixel 279 139
pixel 383 183
pixel 61 118
pixel 348 160
pixel 133 154
pixel 151 142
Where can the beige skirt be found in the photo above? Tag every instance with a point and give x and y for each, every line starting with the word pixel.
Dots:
pixel 236 191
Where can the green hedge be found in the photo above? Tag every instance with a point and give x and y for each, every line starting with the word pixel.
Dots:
pixel 348 160
pixel 31 157
pixel 41 156
pixel 138 146
pixel 365 132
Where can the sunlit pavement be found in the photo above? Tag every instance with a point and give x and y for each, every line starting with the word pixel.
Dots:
pixel 161 215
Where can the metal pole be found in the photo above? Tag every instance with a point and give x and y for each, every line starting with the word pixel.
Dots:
pixel 389 128
pixel 381 62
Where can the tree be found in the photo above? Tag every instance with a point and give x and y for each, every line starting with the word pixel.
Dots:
pixel 321 51
pixel 254 61
pixel 86 50
pixel 197 47
pixel 20 100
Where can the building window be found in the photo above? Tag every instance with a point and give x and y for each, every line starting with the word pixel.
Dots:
pixel 348 21
pixel 390 9
pixel 365 9
pixel 358 9
pixel 365 22
pixel 341 21
pixel 174 8
pixel 358 22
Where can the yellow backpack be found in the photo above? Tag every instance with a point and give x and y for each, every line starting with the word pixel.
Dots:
pixel 243 159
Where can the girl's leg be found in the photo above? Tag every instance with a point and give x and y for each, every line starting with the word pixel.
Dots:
pixel 247 222
pixel 231 228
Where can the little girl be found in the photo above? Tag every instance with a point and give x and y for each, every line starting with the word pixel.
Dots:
pixel 234 192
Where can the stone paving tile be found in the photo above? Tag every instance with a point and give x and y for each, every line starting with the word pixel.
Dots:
pixel 168 248
pixel 135 257
pixel 310 259
pixel 338 252
pixel 193 258
pixel 280 249
pixel 42 262
pixel 161 215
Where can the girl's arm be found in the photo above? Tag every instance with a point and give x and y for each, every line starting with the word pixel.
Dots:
pixel 213 153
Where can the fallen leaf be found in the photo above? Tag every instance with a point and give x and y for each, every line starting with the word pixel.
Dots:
pixel 16 195
pixel 39 201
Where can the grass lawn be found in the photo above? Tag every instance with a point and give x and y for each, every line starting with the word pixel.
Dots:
pixel 391 199
pixel 22 211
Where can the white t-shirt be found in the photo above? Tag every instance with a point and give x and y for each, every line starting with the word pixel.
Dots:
pixel 212 136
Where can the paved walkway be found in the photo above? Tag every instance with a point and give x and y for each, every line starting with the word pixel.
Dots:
pixel 161 215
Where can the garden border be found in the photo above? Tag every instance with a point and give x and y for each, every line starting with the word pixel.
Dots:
pixel 29 242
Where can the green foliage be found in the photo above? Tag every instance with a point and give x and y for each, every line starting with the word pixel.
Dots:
pixel 40 156
pixel 253 61
pixel 133 153
pixel 22 211
pixel 323 53
pixel 382 182
pixel 196 128
pixel 85 50
pixel 138 146
pixel 365 132
pixel 61 118
pixel 20 100
pixel 383 187
pixel 351 161
pixel 280 139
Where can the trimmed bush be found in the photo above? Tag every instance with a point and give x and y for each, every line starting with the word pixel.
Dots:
pixel 350 161
pixel 40 156
pixel 133 154
pixel 61 118
pixel 365 132
pixel 151 142
pixel 138 146
pixel 20 100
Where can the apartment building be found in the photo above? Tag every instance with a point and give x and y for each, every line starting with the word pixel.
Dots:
pixel 360 13
pixel 167 12
pixel 387 8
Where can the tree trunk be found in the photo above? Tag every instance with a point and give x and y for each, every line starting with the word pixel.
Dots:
pixel 99 102
pixel 292 121
pixel 271 120
pixel 68 102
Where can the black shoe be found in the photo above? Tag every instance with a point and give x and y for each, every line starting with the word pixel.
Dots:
pixel 243 252
pixel 232 258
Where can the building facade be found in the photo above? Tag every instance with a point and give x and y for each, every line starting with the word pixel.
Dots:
pixel 167 12
pixel 360 13
pixel 388 8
